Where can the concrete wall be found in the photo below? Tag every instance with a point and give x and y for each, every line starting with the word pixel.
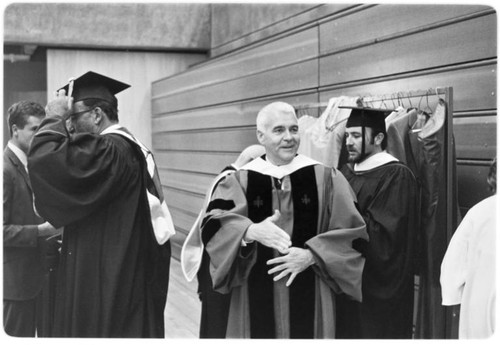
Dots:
pixel 153 26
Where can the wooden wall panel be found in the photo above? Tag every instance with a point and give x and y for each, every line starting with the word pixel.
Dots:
pixel 475 137
pixel 184 200
pixel 291 78
pixel 226 116
pixel 200 162
pixel 192 182
pixel 279 29
pixel 465 98
pixel 214 117
pixel 385 21
pixel 231 22
pixel 217 140
pixel 290 50
pixel 442 46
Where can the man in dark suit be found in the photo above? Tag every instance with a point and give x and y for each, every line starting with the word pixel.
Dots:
pixel 24 233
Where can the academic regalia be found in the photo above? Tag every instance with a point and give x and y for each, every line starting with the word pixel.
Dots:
pixel 388 200
pixel 113 273
pixel 426 156
pixel 318 210
pixel 468 271
pixel 214 305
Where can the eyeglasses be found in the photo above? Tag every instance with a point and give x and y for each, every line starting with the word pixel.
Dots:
pixel 80 113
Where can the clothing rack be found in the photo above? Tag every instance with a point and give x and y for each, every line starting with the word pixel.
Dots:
pixel 403 98
pixel 425 100
pixel 426 97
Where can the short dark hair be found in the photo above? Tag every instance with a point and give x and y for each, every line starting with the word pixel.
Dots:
pixel 18 113
pixel 110 108
pixel 374 134
pixel 492 176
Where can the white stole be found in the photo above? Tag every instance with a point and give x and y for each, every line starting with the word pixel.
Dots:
pixel 161 219
pixel 279 171
pixel 375 161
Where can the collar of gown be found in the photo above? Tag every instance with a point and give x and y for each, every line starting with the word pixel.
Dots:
pixel 375 161
pixel 267 168
pixel 110 129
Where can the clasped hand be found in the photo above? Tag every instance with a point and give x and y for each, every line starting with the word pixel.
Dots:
pixel 269 234
pixel 295 261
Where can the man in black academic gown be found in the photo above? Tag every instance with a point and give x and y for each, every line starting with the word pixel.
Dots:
pixel 97 183
pixel 387 197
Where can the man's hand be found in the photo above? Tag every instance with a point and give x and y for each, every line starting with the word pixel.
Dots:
pixel 295 261
pixel 269 234
pixel 47 230
pixel 61 105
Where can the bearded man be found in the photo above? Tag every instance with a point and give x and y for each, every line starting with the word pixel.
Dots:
pixel 388 201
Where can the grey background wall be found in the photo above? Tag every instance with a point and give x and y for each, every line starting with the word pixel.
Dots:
pixel 203 117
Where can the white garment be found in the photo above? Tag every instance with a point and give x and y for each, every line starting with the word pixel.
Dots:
pixel 322 139
pixel 468 271
pixel 267 168
pixel 374 161
pixel 163 226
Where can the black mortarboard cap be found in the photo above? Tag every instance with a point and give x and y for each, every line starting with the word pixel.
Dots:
pixel 96 86
pixel 367 117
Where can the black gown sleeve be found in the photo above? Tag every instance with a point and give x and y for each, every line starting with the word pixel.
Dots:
pixel 74 175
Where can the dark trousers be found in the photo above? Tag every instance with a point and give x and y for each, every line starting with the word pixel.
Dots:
pixel 32 317
pixel 19 317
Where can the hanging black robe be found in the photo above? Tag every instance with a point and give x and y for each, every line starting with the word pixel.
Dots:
pixel 388 201
pixel 113 274
pixel 427 159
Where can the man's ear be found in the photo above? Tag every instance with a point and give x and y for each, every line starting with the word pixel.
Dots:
pixel 14 130
pixel 98 116
pixel 379 138
pixel 260 137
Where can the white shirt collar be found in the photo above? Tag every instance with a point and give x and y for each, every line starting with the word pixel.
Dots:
pixel 19 154
pixel 267 168
pixel 375 161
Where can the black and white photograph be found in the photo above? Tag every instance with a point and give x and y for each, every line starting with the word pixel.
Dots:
pixel 249 170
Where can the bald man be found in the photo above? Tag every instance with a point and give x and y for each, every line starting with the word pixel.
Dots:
pixel 279 233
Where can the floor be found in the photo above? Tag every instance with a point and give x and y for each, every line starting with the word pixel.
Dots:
pixel 183 309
